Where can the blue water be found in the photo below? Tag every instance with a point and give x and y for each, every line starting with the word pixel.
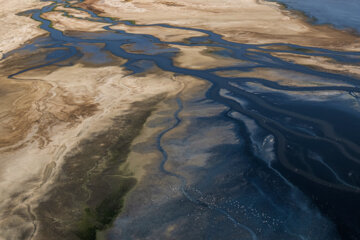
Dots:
pixel 295 161
pixel 342 14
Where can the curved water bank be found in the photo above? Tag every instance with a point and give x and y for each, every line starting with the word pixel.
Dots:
pixel 246 21
pixel 341 15
pixel 249 103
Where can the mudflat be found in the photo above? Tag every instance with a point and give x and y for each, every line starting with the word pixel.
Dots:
pixel 100 78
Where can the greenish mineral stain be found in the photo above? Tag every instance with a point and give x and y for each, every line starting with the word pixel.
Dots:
pixel 102 216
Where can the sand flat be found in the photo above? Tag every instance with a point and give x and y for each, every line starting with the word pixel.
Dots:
pixel 244 21
pixel 64 23
pixel 164 34
pixel 22 28
pixel 199 58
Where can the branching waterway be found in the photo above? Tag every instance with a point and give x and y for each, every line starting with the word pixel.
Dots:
pixel 292 170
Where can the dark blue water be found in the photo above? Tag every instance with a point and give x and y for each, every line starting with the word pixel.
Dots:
pixel 343 14
pixel 296 154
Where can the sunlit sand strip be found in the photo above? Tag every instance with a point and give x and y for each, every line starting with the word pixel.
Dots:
pixel 164 34
pixel 22 28
pixel 63 23
pixel 245 21
pixel 200 58
pixel 322 63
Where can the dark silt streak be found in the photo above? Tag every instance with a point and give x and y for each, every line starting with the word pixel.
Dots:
pixel 322 161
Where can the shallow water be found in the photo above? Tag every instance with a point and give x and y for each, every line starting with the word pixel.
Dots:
pixel 282 160
pixel 343 14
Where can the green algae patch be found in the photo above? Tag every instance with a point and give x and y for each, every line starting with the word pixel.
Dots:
pixel 133 22
pixel 90 191
pixel 103 215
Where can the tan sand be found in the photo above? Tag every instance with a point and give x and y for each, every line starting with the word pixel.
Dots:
pixel 70 104
pixel 245 21
pixel 200 58
pixel 63 23
pixel 164 34
pixel 324 63
pixel 284 77
pixel 22 28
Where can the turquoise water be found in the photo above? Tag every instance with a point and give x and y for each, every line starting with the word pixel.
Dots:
pixel 342 14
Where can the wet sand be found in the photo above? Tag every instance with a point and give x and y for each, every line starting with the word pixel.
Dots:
pixel 77 126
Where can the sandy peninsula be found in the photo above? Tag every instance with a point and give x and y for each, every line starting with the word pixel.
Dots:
pixel 245 21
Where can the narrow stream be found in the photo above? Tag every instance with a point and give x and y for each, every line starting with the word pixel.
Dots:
pixel 305 137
